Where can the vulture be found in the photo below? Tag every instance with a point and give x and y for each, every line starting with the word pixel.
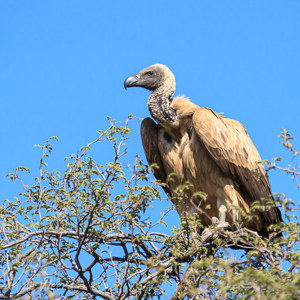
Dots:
pixel 211 152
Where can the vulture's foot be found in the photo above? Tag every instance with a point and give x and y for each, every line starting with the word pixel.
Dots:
pixel 211 233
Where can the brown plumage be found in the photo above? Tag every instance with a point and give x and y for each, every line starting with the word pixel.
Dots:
pixel 210 151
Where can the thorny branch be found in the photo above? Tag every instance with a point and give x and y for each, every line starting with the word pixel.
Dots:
pixel 76 235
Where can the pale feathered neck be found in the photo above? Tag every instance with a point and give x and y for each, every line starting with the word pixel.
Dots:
pixel 160 100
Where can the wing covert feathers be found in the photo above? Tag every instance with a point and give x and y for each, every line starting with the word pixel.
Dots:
pixel 231 148
pixel 149 135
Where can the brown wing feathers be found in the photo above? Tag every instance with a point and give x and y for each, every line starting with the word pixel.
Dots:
pixel 149 135
pixel 230 146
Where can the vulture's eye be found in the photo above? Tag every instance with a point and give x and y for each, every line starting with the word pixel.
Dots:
pixel 150 73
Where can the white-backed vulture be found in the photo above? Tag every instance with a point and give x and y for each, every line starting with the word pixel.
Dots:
pixel 212 152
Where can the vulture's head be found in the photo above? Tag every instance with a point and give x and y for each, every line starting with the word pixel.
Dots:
pixel 152 78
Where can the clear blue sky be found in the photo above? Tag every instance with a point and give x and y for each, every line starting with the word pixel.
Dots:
pixel 63 64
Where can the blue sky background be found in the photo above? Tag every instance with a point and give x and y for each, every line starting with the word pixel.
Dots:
pixel 63 64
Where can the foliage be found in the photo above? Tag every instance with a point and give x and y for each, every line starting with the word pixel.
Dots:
pixel 85 234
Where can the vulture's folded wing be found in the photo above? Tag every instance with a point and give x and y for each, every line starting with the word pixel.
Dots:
pixel 231 148
pixel 149 135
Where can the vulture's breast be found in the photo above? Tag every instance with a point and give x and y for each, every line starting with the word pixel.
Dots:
pixel 188 159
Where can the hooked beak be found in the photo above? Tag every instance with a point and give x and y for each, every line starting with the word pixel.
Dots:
pixel 131 81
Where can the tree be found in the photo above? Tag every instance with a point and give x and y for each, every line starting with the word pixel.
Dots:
pixel 86 234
